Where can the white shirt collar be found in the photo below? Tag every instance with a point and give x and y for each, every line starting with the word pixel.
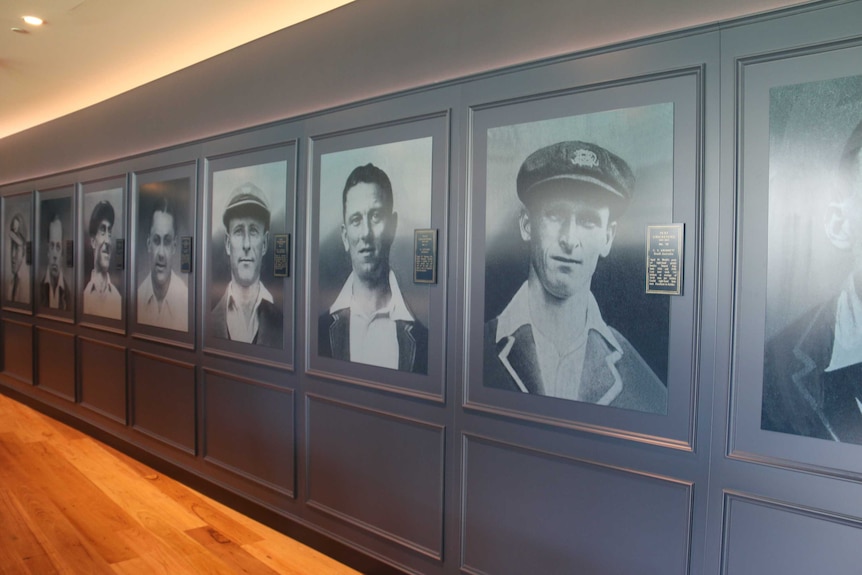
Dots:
pixel 397 306
pixel 517 314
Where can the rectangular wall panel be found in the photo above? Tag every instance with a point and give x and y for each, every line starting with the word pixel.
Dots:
pixel 249 430
pixel 163 399
pixel 56 353
pixel 769 537
pixel 103 378
pixel 530 512
pixel 18 350
pixel 377 471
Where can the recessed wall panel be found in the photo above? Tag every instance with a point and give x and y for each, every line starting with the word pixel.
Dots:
pixel 769 537
pixel 249 430
pixel 530 512
pixel 377 471
pixel 56 353
pixel 18 350
pixel 163 399
pixel 103 377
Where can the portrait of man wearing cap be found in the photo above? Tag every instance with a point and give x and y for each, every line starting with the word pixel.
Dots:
pixel 101 296
pixel 247 312
pixel 18 280
pixel 53 290
pixel 163 297
pixel 370 322
pixel 812 370
pixel 551 339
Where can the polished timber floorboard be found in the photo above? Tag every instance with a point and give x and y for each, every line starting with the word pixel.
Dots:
pixel 70 504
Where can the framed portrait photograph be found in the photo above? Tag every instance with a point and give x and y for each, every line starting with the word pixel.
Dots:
pixel 102 253
pixel 248 290
pixel 370 323
pixel 163 222
pixel 18 253
pixel 797 379
pixel 54 291
pixel 560 326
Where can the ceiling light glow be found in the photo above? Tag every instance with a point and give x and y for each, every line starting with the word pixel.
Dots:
pixel 33 20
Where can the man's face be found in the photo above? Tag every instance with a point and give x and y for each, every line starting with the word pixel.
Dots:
pixel 101 243
pixel 368 230
pixel 161 245
pixel 55 249
pixel 568 233
pixel 245 243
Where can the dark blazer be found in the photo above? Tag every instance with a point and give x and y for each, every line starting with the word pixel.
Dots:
pixel 270 323
pixel 799 397
pixel 623 379
pixel 45 296
pixel 333 340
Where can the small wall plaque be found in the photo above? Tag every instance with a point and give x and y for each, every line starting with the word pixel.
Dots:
pixel 425 256
pixel 186 245
pixel 281 261
pixel 28 254
pixel 70 253
pixel 664 259
pixel 120 253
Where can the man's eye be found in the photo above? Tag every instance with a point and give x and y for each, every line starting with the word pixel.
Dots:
pixel 589 221
pixel 355 220
pixel 157 241
pixel 169 240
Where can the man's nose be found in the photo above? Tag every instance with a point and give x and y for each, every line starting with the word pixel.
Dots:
pixel 365 228
pixel 569 238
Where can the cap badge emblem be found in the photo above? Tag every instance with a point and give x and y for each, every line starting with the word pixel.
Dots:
pixel 585 158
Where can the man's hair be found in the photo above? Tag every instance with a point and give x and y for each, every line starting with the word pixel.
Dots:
pixel 163 205
pixel 20 220
pixel 368 174
pixel 103 211
pixel 54 218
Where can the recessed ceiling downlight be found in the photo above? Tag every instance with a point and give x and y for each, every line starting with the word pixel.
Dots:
pixel 33 20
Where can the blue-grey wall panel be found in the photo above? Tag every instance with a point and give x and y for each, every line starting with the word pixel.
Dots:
pixel 56 353
pixel 18 350
pixel 163 399
pixel 249 429
pixel 530 512
pixel 769 537
pixel 103 377
pixel 377 471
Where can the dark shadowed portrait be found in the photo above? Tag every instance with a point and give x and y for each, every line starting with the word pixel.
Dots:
pixel 812 367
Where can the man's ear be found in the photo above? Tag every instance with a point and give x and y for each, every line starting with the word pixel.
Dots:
pixel 265 242
pixel 610 234
pixel 93 243
pixel 524 225
pixel 227 243
pixel 838 227
pixel 344 238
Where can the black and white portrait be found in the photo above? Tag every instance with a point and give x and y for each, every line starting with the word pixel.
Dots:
pixel 567 205
pixel 17 273
pixel 812 366
pixel 103 285
pixel 162 220
pixel 371 200
pixel 245 299
pixel 54 278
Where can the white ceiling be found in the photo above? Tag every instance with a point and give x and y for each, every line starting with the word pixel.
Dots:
pixel 90 50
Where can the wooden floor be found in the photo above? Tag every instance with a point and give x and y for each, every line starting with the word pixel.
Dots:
pixel 69 504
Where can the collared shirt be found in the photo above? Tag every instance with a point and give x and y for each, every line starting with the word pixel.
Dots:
pixel 373 337
pixel 237 327
pixel 54 293
pixel 847 345
pixel 561 370
pixel 101 297
pixel 170 313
